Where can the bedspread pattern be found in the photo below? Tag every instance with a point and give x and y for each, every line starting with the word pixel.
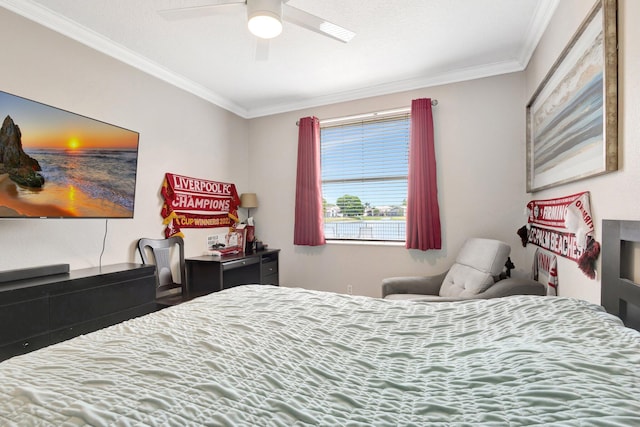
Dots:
pixel 269 356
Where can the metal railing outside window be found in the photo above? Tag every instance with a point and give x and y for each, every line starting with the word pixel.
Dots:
pixel 393 231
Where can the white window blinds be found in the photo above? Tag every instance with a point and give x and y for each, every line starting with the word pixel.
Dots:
pixel 364 176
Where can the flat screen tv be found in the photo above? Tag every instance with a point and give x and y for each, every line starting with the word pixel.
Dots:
pixel 58 164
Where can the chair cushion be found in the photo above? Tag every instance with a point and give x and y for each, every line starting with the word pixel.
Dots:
pixel 485 255
pixel 465 281
pixel 478 262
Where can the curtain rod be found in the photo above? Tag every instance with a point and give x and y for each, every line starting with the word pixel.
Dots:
pixel 400 110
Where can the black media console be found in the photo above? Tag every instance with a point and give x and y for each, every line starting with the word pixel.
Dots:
pixel 46 305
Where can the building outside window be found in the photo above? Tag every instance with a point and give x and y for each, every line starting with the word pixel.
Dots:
pixel 365 162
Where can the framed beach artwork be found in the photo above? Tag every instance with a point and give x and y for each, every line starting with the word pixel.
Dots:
pixel 572 118
pixel 59 164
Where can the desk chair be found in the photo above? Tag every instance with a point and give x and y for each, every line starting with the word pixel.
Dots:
pixel 168 290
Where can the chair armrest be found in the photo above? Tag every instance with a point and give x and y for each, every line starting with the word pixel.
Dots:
pixel 425 285
pixel 513 286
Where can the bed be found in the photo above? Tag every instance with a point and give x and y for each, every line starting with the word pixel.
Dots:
pixel 259 355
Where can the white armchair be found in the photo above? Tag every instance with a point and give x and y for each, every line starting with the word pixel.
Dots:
pixel 475 274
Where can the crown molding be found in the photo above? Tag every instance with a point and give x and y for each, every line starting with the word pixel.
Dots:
pixel 60 24
pixel 537 26
pixel 454 76
pixel 56 22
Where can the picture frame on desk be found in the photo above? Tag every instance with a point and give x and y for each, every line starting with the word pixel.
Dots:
pixel 249 239
pixel 235 239
pixel 233 244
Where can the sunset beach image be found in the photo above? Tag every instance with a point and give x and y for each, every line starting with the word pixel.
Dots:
pixel 58 164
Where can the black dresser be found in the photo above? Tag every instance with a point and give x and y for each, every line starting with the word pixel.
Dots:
pixel 39 311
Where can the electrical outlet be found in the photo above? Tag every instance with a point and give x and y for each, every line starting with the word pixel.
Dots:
pixel 350 289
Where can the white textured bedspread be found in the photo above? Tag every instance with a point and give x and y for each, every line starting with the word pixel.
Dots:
pixel 268 356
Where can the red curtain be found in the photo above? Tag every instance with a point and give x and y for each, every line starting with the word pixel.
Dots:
pixel 423 212
pixel 308 225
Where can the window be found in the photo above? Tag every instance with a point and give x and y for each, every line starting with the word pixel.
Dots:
pixel 365 161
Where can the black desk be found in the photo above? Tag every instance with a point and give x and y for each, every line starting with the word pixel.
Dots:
pixel 208 273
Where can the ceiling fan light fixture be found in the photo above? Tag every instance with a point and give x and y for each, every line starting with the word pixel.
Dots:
pixel 265 18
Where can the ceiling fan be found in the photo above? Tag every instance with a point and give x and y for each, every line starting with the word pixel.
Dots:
pixel 264 16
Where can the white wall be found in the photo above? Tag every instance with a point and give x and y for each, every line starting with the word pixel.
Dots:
pixel 614 195
pixel 179 133
pixel 480 144
pixel 479 133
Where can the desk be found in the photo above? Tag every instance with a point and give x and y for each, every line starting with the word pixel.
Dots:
pixel 208 273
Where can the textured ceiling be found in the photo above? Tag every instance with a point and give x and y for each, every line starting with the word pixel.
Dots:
pixel 399 45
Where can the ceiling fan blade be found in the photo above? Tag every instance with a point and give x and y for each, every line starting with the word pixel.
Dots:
pixel 262 49
pixel 172 10
pixel 316 24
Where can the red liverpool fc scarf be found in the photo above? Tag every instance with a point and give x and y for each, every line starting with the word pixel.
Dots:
pixel 197 203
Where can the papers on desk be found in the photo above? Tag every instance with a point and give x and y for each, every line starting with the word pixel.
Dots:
pixel 223 251
pixel 226 244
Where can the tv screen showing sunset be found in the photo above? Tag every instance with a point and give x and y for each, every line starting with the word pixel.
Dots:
pixel 58 164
